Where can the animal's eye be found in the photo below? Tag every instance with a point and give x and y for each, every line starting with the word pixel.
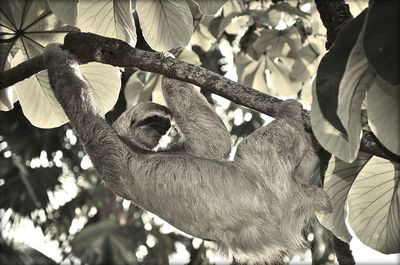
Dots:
pixel 157 122
pixel 152 119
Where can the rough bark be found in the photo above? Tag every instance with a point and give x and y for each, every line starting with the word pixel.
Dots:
pixel 343 252
pixel 334 15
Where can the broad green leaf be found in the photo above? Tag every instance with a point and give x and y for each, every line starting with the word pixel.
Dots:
pixel 306 95
pixel 41 107
pixel 279 80
pixel 234 22
pixel 202 37
pixel 108 18
pixel 7 98
pixel 65 10
pixel 272 40
pixel 208 7
pixel 154 84
pixel 299 71
pixel 382 39
pixel 310 52
pixel 7 95
pixel 134 89
pixel 104 82
pixel 31 25
pixel 189 56
pixel 260 17
pixel 6 43
pixel 330 73
pixel 165 24
pixel 251 72
pixel 352 88
pixel 232 6
pixel 238 24
pixel 292 10
pixel 330 138
pixel 278 42
pixel 384 113
pixel 374 205
pixel 339 177
pixel 306 64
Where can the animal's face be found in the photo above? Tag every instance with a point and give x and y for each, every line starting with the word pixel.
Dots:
pixel 144 124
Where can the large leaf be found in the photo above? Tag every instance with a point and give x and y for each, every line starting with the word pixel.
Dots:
pixel 108 18
pixel 65 10
pixel 7 95
pixel 6 43
pixel 383 102
pixel 30 25
pixel 278 42
pixel 134 89
pixel 227 20
pixel 165 24
pixel 7 98
pixel 202 36
pixel 300 72
pixel 208 7
pixel 42 108
pixel 382 39
pixel 374 205
pixel 339 177
pixel 154 84
pixel 251 72
pixel 353 86
pixel 328 136
pixel 292 10
pixel 279 77
pixel 330 73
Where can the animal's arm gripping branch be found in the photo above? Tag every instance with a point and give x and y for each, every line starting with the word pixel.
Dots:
pixel 205 134
pixel 77 100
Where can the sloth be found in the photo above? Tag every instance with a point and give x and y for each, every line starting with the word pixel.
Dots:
pixel 253 207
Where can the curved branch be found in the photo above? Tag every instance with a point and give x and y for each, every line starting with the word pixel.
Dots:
pixel 89 47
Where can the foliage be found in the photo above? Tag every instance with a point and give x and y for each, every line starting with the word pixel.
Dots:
pixel 350 78
pixel 350 69
pixel 276 47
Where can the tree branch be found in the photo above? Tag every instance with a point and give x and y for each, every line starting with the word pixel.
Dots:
pixel 343 252
pixel 89 47
pixel 334 15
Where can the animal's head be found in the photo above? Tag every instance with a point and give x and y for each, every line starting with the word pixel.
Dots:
pixel 144 124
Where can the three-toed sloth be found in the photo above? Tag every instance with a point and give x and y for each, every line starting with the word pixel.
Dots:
pixel 253 206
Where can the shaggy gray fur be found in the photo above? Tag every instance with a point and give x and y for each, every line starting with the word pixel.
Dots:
pixel 253 207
